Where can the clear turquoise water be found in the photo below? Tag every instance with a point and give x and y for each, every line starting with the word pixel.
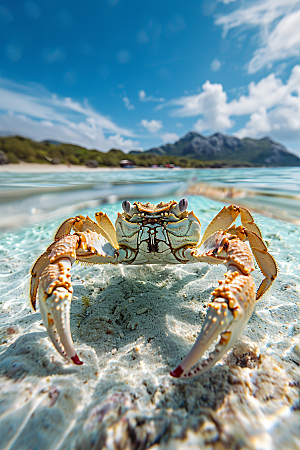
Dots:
pixel 27 365
pixel 34 205
pixel 20 247
pixel 30 198
pixel 275 180
pixel 22 244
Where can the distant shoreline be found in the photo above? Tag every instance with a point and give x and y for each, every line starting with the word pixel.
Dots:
pixel 56 168
pixel 43 168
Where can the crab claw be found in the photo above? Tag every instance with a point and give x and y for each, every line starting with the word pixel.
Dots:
pixel 226 318
pixel 55 294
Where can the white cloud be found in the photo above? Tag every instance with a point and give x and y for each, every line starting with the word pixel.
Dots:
pixel 211 103
pixel 269 107
pixel 149 98
pixel 274 107
pixel 259 13
pixel 169 137
pixel 215 65
pixel 34 112
pixel 279 36
pixel 127 103
pixel 268 92
pixel 258 124
pixel 117 141
pixel 283 42
pixel 153 126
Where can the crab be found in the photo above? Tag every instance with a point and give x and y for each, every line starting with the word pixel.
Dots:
pixel 158 234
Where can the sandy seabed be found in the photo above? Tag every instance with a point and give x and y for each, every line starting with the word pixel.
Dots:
pixel 131 326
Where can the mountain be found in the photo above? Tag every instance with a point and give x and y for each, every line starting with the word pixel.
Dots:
pixel 228 149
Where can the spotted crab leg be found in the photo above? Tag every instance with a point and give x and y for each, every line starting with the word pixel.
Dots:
pixel 232 303
pixel 51 277
pixel 227 316
pixel 55 294
pixel 263 258
pixel 226 217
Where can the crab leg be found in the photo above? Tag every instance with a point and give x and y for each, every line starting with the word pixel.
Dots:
pixel 226 217
pixel 54 304
pixel 227 316
pixel 52 273
pixel 55 294
pixel 41 263
pixel 232 304
pixel 263 258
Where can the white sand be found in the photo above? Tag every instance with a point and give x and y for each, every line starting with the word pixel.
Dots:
pixel 131 325
pixel 42 168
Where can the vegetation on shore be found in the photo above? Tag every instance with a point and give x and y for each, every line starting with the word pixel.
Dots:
pixel 17 148
pixel 193 150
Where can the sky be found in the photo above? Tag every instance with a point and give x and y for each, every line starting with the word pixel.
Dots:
pixel 133 74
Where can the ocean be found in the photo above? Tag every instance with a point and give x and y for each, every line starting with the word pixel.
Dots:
pixel 28 198
pixel 132 325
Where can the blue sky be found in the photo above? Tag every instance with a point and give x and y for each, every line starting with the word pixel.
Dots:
pixel 133 74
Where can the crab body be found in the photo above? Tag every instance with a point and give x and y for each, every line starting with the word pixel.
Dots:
pixel 155 234
pixel 158 234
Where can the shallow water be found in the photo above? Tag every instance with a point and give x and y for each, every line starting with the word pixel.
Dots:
pixel 285 179
pixel 131 325
pixel 29 198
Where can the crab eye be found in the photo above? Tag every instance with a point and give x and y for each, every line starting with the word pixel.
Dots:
pixel 126 206
pixel 183 204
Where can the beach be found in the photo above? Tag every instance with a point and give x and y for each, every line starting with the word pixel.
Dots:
pixel 131 325
pixel 52 168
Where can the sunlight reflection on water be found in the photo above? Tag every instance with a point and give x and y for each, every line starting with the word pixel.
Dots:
pixel 28 198
pixel 175 297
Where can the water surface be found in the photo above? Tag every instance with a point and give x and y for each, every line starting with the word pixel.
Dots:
pixel 132 324
pixel 29 198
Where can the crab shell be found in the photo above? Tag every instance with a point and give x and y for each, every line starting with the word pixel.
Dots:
pixel 156 233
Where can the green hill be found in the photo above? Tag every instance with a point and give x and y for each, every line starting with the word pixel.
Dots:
pixel 14 149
